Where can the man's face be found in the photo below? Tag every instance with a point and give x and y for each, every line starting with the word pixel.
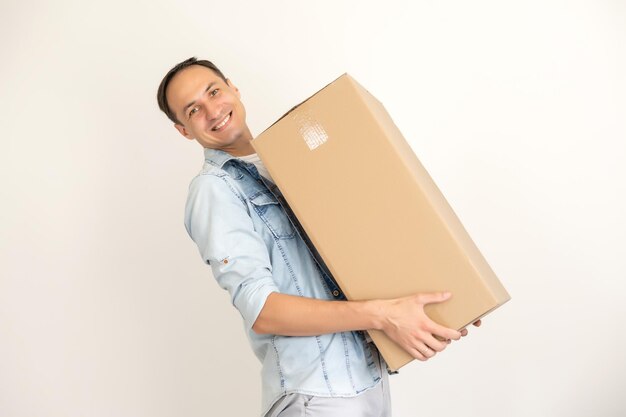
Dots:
pixel 209 109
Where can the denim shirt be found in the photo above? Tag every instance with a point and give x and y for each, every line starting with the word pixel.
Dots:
pixel 253 249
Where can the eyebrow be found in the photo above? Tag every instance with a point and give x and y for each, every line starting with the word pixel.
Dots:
pixel 194 102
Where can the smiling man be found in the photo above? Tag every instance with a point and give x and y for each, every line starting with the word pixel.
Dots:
pixel 316 359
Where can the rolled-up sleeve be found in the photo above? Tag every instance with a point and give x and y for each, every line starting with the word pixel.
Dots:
pixel 218 221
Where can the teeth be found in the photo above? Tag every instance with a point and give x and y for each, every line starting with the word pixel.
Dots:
pixel 222 123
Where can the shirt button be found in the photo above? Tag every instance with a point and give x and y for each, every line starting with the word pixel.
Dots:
pixel 336 293
pixel 225 261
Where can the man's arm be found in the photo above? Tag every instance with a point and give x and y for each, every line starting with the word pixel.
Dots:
pixel 217 220
pixel 402 319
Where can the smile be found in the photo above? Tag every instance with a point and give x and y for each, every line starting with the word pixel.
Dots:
pixel 222 123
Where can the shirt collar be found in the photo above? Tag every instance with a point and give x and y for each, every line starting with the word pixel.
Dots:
pixel 217 157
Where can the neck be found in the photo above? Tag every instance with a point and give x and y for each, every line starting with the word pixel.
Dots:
pixel 244 147
pixel 244 150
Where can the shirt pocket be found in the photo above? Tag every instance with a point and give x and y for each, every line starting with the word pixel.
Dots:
pixel 273 215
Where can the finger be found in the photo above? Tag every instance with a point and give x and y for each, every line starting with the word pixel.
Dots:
pixel 477 323
pixel 427 351
pixel 435 344
pixel 433 297
pixel 444 333
pixel 463 332
pixel 417 354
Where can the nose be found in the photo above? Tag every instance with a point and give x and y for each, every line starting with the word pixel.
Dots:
pixel 213 111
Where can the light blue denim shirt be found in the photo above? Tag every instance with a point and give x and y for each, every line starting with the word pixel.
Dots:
pixel 253 249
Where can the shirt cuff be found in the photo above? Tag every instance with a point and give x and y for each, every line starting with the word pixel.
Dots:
pixel 251 299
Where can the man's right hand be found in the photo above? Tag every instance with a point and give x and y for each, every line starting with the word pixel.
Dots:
pixel 406 323
pixel 402 319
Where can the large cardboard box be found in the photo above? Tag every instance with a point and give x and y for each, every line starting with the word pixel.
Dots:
pixel 374 215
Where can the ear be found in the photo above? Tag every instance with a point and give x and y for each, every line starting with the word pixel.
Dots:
pixel 183 131
pixel 233 87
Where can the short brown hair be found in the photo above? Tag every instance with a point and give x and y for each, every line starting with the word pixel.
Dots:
pixel 161 97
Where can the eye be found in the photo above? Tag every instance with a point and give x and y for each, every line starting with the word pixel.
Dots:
pixel 214 92
pixel 193 111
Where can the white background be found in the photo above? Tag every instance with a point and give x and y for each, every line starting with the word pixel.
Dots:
pixel 517 109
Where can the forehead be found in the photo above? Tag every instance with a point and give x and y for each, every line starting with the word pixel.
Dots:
pixel 189 85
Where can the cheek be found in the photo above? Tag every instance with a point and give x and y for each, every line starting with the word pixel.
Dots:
pixel 198 125
pixel 242 112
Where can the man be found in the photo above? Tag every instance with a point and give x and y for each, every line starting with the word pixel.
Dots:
pixel 316 359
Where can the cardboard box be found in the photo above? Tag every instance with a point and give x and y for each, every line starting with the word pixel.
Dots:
pixel 376 218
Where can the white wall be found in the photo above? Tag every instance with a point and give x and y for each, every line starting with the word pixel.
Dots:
pixel 516 108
